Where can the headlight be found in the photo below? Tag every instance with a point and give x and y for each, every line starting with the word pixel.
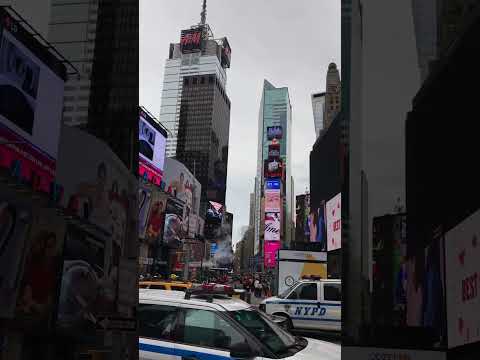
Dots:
pixel 262 307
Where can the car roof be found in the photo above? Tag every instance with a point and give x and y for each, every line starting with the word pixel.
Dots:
pixel 322 280
pixel 152 296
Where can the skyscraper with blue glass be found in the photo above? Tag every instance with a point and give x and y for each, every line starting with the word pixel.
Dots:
pixel 273 183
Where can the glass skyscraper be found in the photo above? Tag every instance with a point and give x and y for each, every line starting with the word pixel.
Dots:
pixel 275 122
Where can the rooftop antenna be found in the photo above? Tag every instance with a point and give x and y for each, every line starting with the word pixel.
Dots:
pixel 204 13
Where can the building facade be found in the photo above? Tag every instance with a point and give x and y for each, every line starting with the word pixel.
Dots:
pixel 332 95
pixel 100 38
pixel 274 183
pixel 318 107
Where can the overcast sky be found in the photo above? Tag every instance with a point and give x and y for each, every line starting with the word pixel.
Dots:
pixel 289 43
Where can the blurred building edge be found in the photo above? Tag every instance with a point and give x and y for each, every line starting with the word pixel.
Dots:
pixel 436 182
pixel 101 39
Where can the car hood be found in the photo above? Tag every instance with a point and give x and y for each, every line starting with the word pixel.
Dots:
pixel 319 350
pixel 273 298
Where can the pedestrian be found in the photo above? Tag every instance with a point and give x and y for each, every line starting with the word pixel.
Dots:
pixel 257 288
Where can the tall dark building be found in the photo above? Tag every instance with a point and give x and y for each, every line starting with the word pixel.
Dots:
pixel 203 134
pixel 101 39
pixel 196 109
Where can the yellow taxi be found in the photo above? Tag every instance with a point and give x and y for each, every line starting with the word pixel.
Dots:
pixel 165 285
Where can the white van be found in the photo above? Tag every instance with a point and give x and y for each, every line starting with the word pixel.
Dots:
pixel 309 304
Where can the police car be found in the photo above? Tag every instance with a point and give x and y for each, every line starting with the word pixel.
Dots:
pixel 313 304
pixel 205 323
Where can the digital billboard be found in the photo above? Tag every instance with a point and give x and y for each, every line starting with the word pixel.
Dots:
pixel 99 187
pixel 274 132
pixel 31 103
pixel 226 53
pixel 274 151
pixel 272 227
pixel 271 250
pixel 191 40
pixel 273 169
pixel 333 209
pixel 174 228
pixel 213 220
pixel 462 254
pixel 181 183
pixel 273 201
pixel 152 143
pixel 274 184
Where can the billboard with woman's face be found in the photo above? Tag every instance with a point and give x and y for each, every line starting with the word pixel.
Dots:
pixel 39 286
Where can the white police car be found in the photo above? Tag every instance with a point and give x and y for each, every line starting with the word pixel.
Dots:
pixel 309 304
pixel 205 324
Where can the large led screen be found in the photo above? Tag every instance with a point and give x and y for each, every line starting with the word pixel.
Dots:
pixel 274 132
pixel 462 254
pixel 272 201
pixel 272 227
pixel 334 223
pixel 31 102
pixel 271 253
pixel 152 142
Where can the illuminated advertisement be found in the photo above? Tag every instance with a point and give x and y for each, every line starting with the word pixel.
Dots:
pixel 274 132
pixel 274 151
pixel 31 93
pixel 99 188
pixel 174 228
pixel 462 254
pixel 191 40
pixel 273 169
pixel 271 253
pixel 272 227
pixel 272 184
pixel 213 220
pixel 272 201
pixel 155 219
pixel 226 53
pixel 315 224
pixel 35 302
pixel 89 282
pixel 181 183
pixel 334 222
pixel 152 143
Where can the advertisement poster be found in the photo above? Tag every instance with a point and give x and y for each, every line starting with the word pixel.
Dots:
pixel 272 201
pixel 144 200
pixel 462 254
pixel 191 40
pixel 316 226
pixel 181 184
pixel 88 287
pixel 271 248
pixel 273 169
pixel 31 91
pixel 213 220
pixel 174 232
pixel 272 184
pixel 152 144
pixel 274 132
pixel 334 222
pixel 217 182
pixel 97 185
pixel 38 290
pixel 156 217
pixel 293 265
pixel 15 223
pixel 272 227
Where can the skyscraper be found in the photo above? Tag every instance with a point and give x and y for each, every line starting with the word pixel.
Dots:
pixel 101 39
pixel 332 96
pixel 196 109
pixel 274 184
pixel 318 107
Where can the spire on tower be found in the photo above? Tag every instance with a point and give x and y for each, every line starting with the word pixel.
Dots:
pixel 204 13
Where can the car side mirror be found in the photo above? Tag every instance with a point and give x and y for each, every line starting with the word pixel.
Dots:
pixel 242 351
